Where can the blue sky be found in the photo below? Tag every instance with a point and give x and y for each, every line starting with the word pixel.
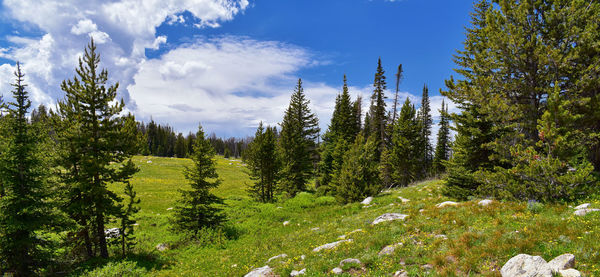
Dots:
pixel 230 64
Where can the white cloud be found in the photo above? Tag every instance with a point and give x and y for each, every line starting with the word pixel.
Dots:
pixel 84 26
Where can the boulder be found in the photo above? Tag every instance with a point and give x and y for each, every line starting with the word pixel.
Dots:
pixel 261 272
pixel 162 247
pixel 400 273
pixel 331 245
pixel 485 202
pixel 281 256
pixel 524 265
pixel 367 200
pixel 337 271
pixel 298 273
pixel 562 262
pixel 388 250
pixel 445 204
pixel 350 261
pixel 389 217
pixel 582 206
pixel 112 233
pixel 582 212
pixel 570 273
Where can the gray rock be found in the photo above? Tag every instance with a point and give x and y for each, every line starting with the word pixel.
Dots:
pixel 445 204
pixel 281 256
pixel 400 273
pixel 367 200
pixel 331 245
pixel 302 257
pixel 583 206
pixel 388 250
pixel 149 162
pixel 337 271
pixel 570 273
pixel 440 237
pixel 389 217
pixel 297 273
pixel 582 212
pixel 286 223
pixel 524 265
pixel 350 261
pixel 562 262
pixel 162 247
pixel 427 267
pixel 112 233
pixel 315 229
pixel 404 200
pixel 261 272
pixel 485 202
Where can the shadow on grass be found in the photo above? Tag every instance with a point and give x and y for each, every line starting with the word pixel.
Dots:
pixel 133 264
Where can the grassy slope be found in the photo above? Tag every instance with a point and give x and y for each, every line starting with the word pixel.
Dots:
pixel 480 239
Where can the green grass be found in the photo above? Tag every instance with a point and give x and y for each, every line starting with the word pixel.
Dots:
pixel 479 239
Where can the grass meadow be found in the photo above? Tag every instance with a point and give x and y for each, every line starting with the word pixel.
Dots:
pixel 478 240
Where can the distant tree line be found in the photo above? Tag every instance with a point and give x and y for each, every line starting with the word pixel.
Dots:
pixel 162 141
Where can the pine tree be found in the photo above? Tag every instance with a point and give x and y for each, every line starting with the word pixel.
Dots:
pixel 377 112
pixel 180 147
pixel 127 231
pixel 358 176
pixel 297 147
pixel 263 164
pixel 442 147
pixel 93 135
pixel 198 207
pixel 426 122
pixel 406 150
pixel 25 211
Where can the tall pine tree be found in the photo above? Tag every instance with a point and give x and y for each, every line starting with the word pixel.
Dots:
pixel 261 157
pixel 426 122
pixel 25 211
pixel 297 147
pixel 377 112
pixel 442 147
pixel 93 135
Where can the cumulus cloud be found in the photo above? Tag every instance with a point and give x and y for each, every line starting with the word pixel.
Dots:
pixel 122 28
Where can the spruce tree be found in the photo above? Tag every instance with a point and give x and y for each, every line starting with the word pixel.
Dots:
pixel 442 147
pixel 358 176
pixel 297 147
pixel 377 112
pixel 180 147
pixel 198 207
pixel 127 237
pixel 406 150
pixel 93 135
pixel 25 211
pixel 261 157
pixel 426 122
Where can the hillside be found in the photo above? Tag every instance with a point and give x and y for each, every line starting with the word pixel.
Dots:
pixel 476 240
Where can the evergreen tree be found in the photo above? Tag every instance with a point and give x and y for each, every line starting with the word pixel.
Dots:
pixel 25 211
pixel 297 147
pixel 127 237
pixel 264 168
pixel 198 207
pixel 442 147
pixel 358 176
pixel 398 79
pixel 406 150
pixel 92 136
pixel 377 112
pixel 180 147
pixel 426 122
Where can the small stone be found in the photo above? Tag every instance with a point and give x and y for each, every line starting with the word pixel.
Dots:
pixel 389 217
pixel 350 261
pixel 526 265
pixel 485 202
pixel 388 250
pixel 421 210
pixel 337 271
pixel 570 273
pixel 298 273
pixel 315 229
pixel 281 256
pixel 162 247
pixel 583 206
pixel 400 273
pixel 234 265
pixel 427 267
pixel 582 212
pixel 342 237
pixel 440 237
pixel 279 208
pixel 260 272
pixel 302 257
pixel 404 200
pixel 331 245
pixel 445 204
pixel 562 262
pixel 286 223
pixel 367 200
pixel 168 209
pixel 149 162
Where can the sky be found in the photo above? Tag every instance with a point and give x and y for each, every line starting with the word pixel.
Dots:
pixel 229 64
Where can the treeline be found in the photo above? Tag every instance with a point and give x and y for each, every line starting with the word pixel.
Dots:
pixel 355 159
pixel 162 141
